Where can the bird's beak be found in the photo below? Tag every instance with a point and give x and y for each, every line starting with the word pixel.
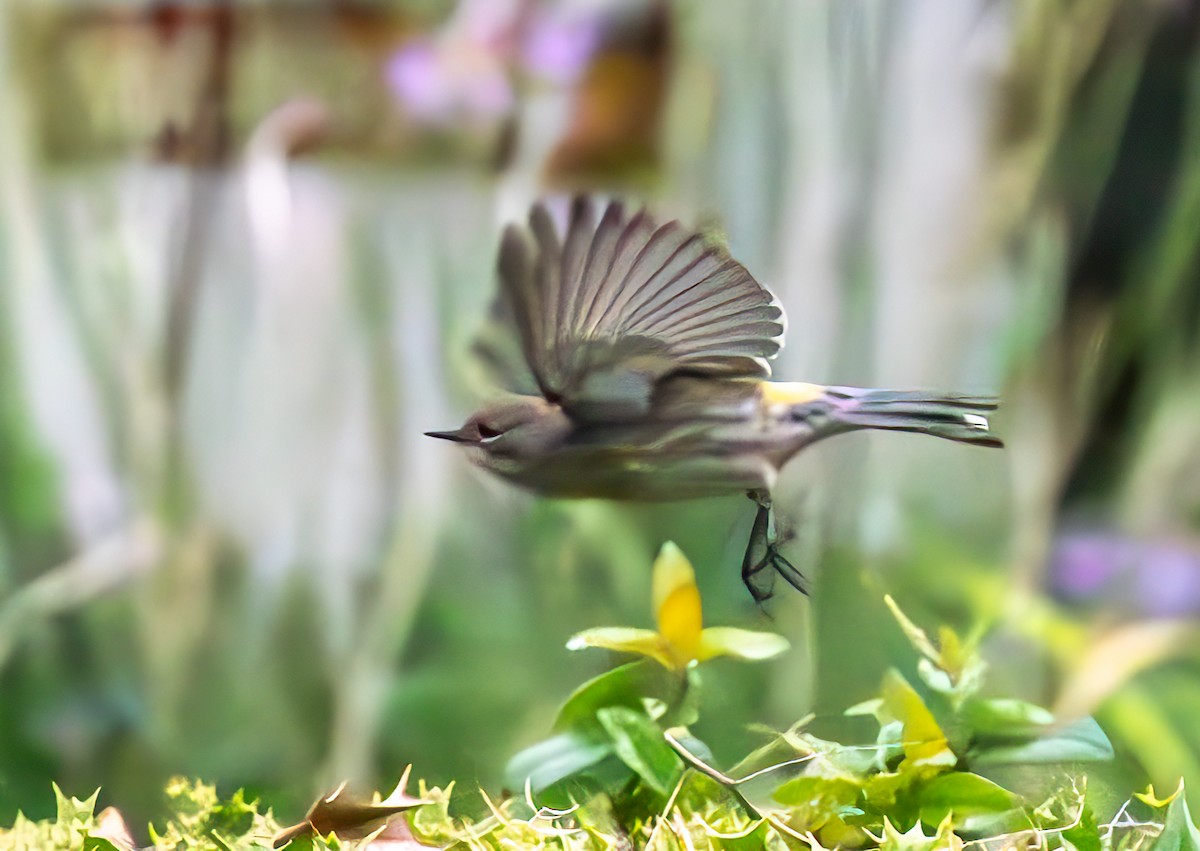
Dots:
pixel 458 436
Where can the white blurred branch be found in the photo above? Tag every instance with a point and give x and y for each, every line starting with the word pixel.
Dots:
pixel 101 569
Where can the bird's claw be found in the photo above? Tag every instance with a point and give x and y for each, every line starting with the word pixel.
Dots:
pixel 763 560
pixel 772 562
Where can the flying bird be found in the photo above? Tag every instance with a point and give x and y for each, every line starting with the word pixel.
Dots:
pixel 640 355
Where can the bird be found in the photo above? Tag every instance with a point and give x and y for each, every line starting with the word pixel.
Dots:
pixel 637 359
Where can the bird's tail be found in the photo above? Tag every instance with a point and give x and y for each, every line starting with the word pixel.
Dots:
pixel 949 415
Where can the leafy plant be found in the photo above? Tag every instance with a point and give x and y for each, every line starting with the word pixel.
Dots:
pixel 931 772
pixel 948 768
pixel 609 733
pixel 928 768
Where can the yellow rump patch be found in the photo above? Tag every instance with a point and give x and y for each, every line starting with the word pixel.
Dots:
pixel 787 393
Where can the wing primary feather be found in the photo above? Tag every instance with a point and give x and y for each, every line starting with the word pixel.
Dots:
pixel 726 346
pixel 762 331
pixel 601 257
pixel 701 265
pixel 549 285
pixel 664 241
pixel 599 299
pixel 667 307
pixel 581 228
pixel 750 289
pixel 709 345
pixel 703 314
pixel 581 232
pixel 731 318
pixel 665 293
pixel 741 307
pixel 519 285
pixel 612 299
pixel 699 313
pixel 621 259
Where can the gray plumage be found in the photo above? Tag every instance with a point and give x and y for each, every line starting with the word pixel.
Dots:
pixel 621 302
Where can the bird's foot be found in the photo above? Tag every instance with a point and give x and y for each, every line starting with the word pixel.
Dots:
pixel 759 580
pixel 763 560
pixel 759 576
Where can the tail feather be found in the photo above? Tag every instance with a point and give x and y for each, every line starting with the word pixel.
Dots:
pixel 948 415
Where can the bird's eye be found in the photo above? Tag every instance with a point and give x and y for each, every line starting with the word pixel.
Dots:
pixel 486 432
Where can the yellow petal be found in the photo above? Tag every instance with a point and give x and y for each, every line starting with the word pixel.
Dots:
pixel 671 571
pixel 677 603
pixel 643 642
pixel 924 741
pixel 739 643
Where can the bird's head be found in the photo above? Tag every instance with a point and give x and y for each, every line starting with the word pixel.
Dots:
pixel 516 428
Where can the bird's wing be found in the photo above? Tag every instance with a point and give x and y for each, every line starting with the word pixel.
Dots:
pixel 499 350
pixel 618 302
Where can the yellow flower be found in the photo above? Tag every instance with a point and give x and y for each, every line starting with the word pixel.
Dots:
pixel 681 639
pixel 1149 796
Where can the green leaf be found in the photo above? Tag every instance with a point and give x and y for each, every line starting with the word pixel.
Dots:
pixel 73 810
pixel 555 759
pixel 234 816
pixel 220 841
pixel 885 789
pixel 98 843
pixel 1179 831
pixel 1084 836
pixel 696 747
pixel 1079 741
pixel 625 686
pixel 639 743
pixel 915 635
pixel 914 839
pixel 962 794
pixel 686 711
pixel 1005 718
pixel 816 800
pixel 699 792
pixel 831 759
pixel 596 816
pixel 432 824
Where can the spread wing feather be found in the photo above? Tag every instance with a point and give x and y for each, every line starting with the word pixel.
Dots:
pixel 618 301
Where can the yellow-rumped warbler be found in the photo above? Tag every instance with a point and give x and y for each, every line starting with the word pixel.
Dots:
pixel 648 351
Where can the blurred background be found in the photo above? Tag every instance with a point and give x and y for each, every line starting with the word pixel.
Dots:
pixel 245 248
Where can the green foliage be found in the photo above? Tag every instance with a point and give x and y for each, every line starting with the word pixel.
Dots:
pixel 623 738
pixel 639 743
pixel 73 824
pixel 199 813
pixel 1179 832
pixel 623 770
pixel 936 741
pixel 200 820
pixel 703 814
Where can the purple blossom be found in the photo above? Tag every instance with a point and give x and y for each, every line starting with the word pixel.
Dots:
pixel 464 72
pixel 442 83
pixel 559 44
pixel 1146 577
